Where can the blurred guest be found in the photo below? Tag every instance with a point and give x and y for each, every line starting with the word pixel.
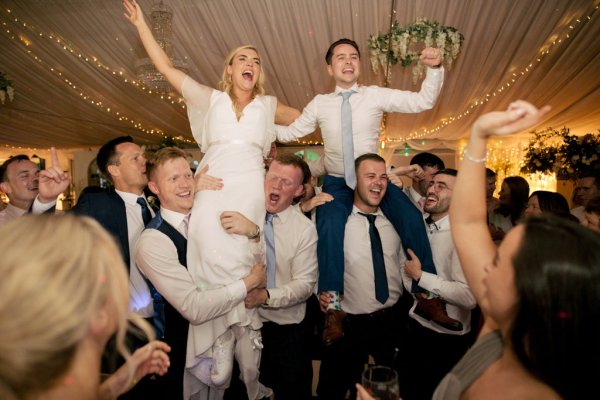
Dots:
pixel 28 189
pixel 54 327
pixel 592 214
pixel 490 188
pixel 514 193
pixel 586 187
pixel 542 201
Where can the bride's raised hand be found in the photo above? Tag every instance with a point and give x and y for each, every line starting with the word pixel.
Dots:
pixel 134 12
pixel 519 116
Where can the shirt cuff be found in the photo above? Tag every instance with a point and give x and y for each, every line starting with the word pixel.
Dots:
pixel 429 282
pixel 39 207
pixel 237 290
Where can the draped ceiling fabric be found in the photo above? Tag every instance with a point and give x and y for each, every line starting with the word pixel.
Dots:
pixel 63 100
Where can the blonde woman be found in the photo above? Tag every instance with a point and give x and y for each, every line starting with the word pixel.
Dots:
pixel 64 293
pixel 234 128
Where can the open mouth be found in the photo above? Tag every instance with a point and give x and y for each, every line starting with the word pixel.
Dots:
pixel 248 75
pixel 184 194
pixel 274 198
pixel 431 200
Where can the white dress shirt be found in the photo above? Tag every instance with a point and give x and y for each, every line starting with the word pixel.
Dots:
pixel 296 267
pixel 11 212
pixel 140 299
pixel 414 197
pixel 359 278
pixel 156 256
pixel 449 283
pixel 368 105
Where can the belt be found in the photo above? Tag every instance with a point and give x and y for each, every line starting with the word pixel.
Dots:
pixel 374 314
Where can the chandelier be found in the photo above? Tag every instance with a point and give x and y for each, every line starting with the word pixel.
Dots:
pixel 161 18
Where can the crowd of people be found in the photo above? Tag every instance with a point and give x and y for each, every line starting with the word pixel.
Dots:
pixel 245 261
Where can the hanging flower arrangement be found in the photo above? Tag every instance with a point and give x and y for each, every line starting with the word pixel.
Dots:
pixel 6 89
pixel 557 151
pixel 403 45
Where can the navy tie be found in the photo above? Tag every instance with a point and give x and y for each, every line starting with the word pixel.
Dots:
pixel 382 292
pixel 270 242
pixel 146 215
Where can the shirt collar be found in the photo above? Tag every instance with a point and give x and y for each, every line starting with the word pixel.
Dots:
pixel 128 197
pixel 174 218
pixel 285 214
pixel 442 224
pixel 353 88
pixel 356 210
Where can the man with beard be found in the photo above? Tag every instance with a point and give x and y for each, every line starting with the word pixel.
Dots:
pixel 433 349
pixel 28 189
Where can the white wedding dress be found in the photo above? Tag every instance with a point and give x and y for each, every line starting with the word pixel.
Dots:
pixel 234 152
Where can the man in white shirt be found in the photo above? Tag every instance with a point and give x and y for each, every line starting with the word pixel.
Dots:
pixel 285 361
pixel 350 122
pixel 161 254
pixel 28 189
pixel 375 315
pixel 433 349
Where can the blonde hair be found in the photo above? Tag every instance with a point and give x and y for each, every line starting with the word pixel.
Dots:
pixel 56 272
pixel 226 83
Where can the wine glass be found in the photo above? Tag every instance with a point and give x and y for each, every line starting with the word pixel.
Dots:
pixel 381 382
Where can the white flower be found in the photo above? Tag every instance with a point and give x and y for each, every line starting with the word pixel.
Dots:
pixel 2 95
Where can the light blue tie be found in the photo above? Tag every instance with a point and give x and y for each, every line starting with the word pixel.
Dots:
pixel 270 241
pixel 347 140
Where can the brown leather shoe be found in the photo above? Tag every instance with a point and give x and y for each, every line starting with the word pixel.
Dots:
pixel 435 310
pixel 334 326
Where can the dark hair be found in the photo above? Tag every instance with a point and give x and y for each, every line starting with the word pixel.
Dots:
pixel 5 164
pixel 162 156
pixel 551 201
pixel 427 160
pixel 367 156
pixel 557 322
pixel 593 205
pixel 519 194
pixel 447 171
pixel 333 45
pixel 107 155
pixel 490 173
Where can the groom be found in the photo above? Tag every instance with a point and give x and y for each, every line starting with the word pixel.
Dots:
pixel 350 122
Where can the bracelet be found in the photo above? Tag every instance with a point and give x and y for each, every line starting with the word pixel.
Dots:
pixel 475 160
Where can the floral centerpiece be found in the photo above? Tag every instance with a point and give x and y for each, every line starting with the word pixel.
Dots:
pixel 6 88
pixel 557 151
pixel 403 44
pixel 579 153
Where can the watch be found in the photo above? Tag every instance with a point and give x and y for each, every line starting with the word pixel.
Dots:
pixel 266 303
pixel 256 234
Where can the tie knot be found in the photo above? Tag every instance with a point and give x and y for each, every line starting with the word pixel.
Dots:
pixel 142 202
pixel 269 217
pixel 369 217
pixel 346 95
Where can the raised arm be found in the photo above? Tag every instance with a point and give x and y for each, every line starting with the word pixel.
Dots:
pixel 155 52
pixel 470 232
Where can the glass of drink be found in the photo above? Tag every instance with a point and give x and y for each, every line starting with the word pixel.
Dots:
pixel 381 382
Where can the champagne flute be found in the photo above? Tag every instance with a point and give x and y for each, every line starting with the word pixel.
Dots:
pixel 381 382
